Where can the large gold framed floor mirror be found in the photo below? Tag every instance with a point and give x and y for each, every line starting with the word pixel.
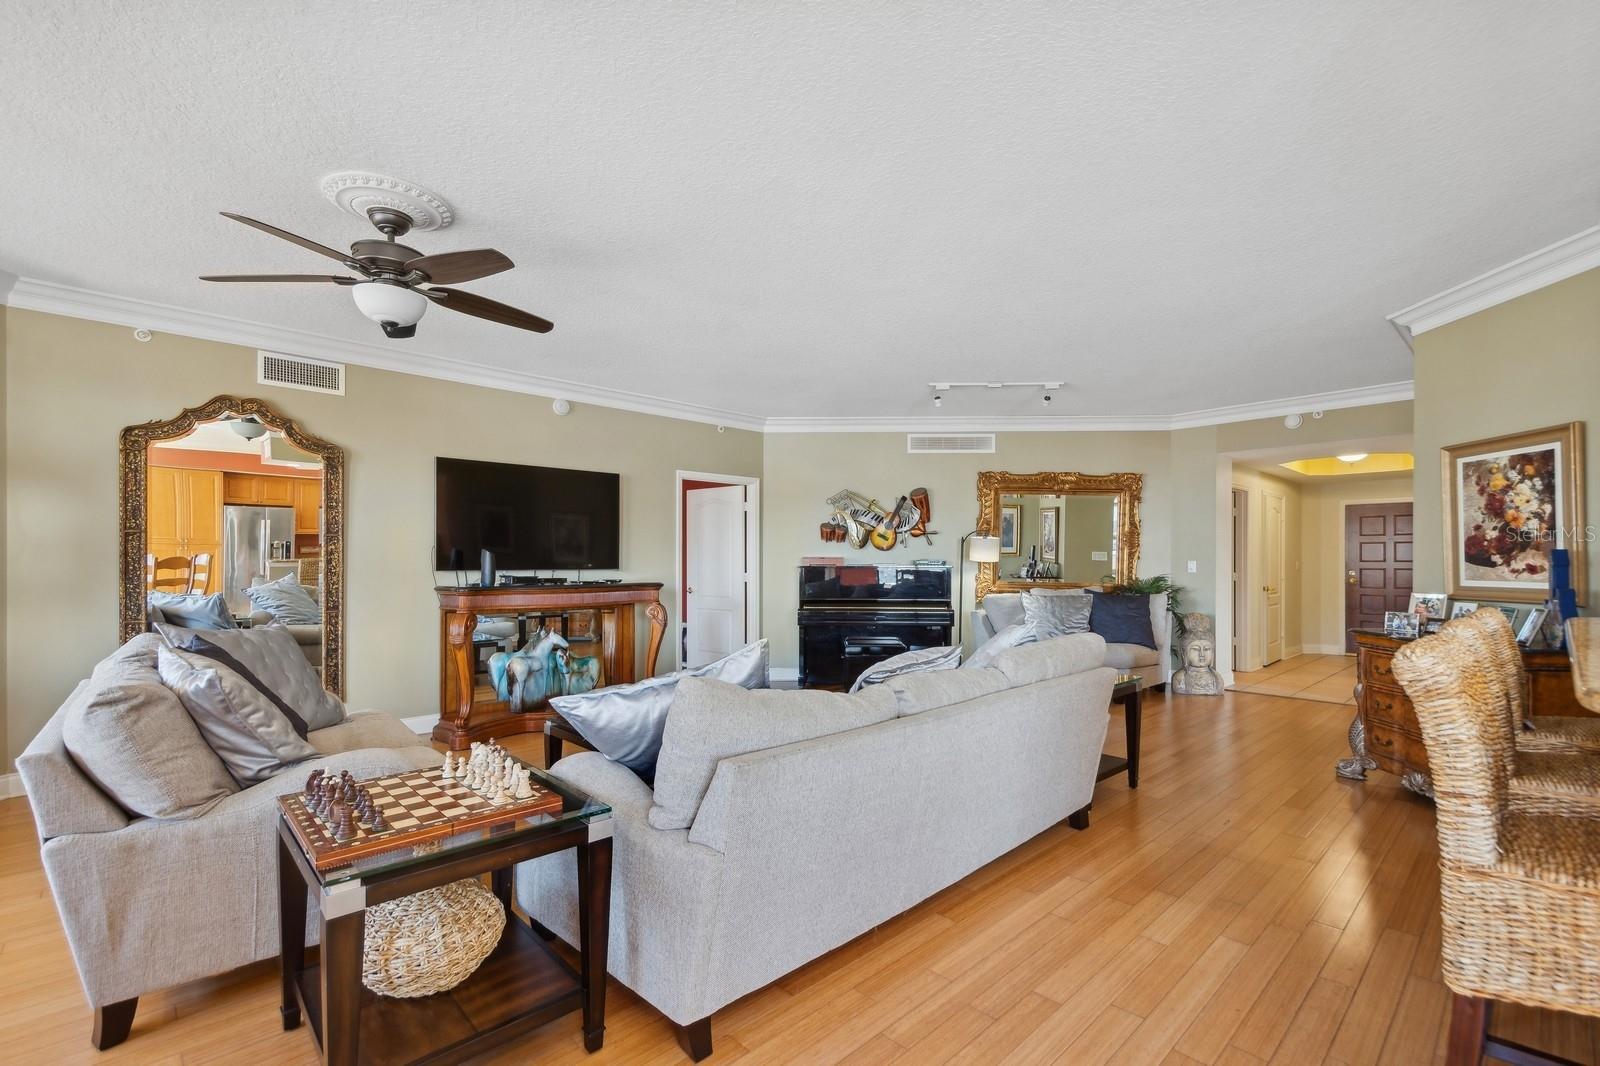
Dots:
pixel 1058 529
pixel 232 515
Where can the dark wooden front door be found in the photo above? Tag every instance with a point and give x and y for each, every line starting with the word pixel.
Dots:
pixel 1377 564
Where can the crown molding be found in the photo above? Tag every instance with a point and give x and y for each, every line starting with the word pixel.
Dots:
pixel 32 294
pixel 1362 396
pixel 1365 396
pixel 1557 262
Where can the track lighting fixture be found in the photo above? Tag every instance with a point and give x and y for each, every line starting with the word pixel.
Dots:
pixel 941 387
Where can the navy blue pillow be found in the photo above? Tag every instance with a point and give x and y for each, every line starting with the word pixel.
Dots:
pixel 1122 619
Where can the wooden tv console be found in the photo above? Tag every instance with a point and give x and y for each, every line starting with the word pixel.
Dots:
pixel 462 718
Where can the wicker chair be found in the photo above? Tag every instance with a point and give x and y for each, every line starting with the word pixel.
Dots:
pixel 1520 893
pixel 1549 734
pixel 1544 778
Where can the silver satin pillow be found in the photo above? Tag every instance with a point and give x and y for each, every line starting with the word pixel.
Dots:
pixel 272 655
pixel 1057 614
pixel 625 723
pixel 908 662
pixel 1007 638
pixel 253 738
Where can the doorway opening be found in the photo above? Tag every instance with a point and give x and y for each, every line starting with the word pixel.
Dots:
pixel 717 565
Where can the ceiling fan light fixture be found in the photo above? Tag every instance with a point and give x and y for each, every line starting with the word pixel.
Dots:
pixel 393 306
pixel 248 428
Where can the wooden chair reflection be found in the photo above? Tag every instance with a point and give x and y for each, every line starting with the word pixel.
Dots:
pixel 180 574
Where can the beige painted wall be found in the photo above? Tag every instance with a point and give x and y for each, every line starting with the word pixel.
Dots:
pixel 803 470
pixel 1086 529
pixel 1257 485
pixel 74 384
pixel 1322 504
pixel 1528 363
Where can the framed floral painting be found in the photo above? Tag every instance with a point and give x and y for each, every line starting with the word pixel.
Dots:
pixel 1049 534
pixel 1507 502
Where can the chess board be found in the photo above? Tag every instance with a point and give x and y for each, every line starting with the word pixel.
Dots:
pixel 419 805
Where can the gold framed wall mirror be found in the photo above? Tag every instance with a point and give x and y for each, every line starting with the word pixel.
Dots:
pixel 232 495
pixel 1058 529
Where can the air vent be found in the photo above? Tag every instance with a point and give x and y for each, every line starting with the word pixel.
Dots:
pixel 924 443
pixel 298 372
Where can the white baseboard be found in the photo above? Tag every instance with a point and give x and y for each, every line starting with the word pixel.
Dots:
pixel 1290 653
pixel 422 724
pixel 783 673
pixel 1324 649
pixel 10 785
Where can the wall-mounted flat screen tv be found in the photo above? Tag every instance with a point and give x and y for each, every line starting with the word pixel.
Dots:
pixel 531 517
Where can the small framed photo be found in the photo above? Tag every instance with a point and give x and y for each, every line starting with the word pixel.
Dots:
pixel 1462 608
pixel 1432 627
pixel 1531 625
pixel 1433 601
pixel 1402 624
pixel 1511 615
pixel 1011 529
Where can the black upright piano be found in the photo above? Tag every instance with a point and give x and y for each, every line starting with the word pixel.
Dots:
pixel 858 614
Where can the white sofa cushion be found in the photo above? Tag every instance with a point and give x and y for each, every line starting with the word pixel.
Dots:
pixel 915 693
pixel 1055 657
pixel 1011 636
pixel 1129 656
pixel 711 720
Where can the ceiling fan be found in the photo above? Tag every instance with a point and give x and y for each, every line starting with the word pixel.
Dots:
pixel 390 290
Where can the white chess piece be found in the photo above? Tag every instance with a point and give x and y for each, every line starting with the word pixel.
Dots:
pixel 524 789
pixel 449 770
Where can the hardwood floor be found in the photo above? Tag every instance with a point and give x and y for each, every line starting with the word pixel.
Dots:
pixel 1327 678
pixel 1244 906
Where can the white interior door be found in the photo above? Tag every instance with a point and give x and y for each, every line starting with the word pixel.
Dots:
pixel 1273 565
pixel 714 584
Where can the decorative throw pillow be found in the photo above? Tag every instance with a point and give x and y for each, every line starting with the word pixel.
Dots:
pixel 1009 637
pixel 131 737
pixel 251 736
pixel 1056 614
pixel 195 612
pixel 287 601
pixel 269 658
pixel 908 662
pixel 625 722
pixel 712 720
pixel 1122 618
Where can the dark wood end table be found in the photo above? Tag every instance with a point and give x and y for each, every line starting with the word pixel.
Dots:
pixel 1127 693
pixel 520 986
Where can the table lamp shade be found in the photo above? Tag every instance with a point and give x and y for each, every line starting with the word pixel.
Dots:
pixel 982 549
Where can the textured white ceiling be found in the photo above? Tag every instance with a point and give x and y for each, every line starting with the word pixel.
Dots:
pixel 814 209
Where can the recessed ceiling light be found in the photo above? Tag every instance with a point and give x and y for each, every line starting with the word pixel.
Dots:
pixel 1353 457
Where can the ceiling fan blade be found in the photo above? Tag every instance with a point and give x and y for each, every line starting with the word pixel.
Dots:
pixel 482 307
pixel 452 268
pixel 304 242
pixel 335 278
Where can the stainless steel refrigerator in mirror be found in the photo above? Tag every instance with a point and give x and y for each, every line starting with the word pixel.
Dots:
pixel 253 539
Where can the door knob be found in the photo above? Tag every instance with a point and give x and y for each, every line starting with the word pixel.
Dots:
pixel 690 590
pixel 1350 576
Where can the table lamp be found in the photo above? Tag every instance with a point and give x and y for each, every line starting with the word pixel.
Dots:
pixel 980 548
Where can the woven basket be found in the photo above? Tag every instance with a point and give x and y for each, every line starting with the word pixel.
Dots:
pixel 431 941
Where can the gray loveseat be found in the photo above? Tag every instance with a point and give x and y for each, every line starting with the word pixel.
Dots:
pixel 1153 665
pixel 798 848
pixel 149 903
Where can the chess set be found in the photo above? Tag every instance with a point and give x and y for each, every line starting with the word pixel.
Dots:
pixel 338 819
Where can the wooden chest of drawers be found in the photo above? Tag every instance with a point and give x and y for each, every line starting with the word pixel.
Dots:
pixel 1390 735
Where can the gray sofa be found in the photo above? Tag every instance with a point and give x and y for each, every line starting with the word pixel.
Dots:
pixel 1153 665
pixel 149 903
pixel 799 848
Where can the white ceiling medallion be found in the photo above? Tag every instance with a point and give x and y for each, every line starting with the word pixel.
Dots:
pixel 357 190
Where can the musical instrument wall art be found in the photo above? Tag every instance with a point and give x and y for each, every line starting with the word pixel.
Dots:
pixel 861 520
